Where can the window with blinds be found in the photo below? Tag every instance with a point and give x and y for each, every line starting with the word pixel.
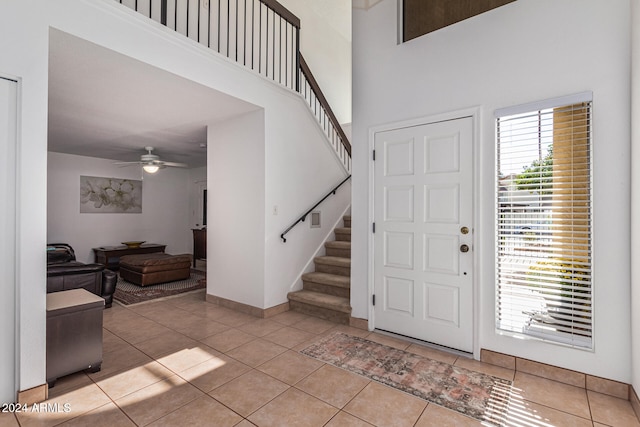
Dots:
pixel 543 214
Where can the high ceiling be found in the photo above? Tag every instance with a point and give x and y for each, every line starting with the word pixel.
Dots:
pixel 107 105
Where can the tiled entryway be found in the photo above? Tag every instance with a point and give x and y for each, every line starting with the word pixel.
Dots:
pixel 185 362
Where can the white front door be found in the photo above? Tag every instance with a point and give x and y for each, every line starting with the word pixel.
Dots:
pixel 423 237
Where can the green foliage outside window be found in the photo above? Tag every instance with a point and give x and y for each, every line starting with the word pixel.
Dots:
pixel 538 176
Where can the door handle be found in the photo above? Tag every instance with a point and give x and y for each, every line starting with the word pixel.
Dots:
pixel 464 248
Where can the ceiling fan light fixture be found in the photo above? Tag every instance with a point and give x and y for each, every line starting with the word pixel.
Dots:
pixel 151 163
pixel 150 168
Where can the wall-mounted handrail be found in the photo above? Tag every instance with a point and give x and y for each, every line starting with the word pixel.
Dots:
pixel 304 215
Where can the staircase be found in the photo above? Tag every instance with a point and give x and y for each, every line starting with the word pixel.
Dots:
pixel 326 292
pixel 266 60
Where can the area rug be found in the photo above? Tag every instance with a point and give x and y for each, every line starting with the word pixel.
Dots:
pixel 474 394
pixel 129 293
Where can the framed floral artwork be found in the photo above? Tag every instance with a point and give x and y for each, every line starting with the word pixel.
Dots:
pixel 110 195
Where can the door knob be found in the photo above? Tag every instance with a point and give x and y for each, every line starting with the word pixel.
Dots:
pixel 464 230
pixel 464 248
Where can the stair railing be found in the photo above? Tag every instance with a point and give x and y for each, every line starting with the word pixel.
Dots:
pixel 310 90
pixel 262 35
pixel 304 215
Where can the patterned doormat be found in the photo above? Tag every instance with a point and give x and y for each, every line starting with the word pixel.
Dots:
pixel 474 394
pixel 129 293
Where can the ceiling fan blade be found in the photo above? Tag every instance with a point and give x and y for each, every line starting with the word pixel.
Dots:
pixel 176 165
pixel 126 163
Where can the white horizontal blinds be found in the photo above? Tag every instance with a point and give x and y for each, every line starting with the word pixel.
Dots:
pixel 544 223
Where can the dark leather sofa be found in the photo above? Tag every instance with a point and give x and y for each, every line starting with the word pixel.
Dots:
pixel 64 273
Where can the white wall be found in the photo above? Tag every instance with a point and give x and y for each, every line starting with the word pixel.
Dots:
pixel 286 262
pixel 8 149
pixel 635 194
pixel 299 172
pixel 265 171
pixel 165 207
pixel 24 32
pixel 325 43
pixel 24 55
pixel 525 51
pixel 235 214
pixel 299 168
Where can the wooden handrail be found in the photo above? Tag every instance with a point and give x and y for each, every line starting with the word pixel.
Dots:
pixel 275 66
pixel 282 11
pixel 325 104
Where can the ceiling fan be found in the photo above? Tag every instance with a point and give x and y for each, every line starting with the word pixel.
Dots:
pixel 151 163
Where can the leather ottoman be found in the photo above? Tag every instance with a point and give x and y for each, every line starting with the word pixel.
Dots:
pixel 151 269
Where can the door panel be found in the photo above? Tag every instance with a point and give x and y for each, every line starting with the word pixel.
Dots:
pixel 399 203
pixel 442 154
pixel 398 250
pixel 441 304
pixel 398 158
pixel 423 196
pixel 441 203
pixel 440 254
pixel 399 295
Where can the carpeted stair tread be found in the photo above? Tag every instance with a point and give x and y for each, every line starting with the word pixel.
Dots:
pixel 321 300
pixel 338 244
pixel 339 248
pixel 327 279
pixel 333 260
pixel 326 291
pixel 343 233
pixel 342 230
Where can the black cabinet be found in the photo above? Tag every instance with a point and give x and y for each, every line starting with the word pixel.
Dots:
pixel 199 245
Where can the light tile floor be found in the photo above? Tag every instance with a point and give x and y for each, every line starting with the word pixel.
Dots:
pixel 185 362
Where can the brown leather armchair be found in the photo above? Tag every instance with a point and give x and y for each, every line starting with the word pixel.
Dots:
pixel 64 273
